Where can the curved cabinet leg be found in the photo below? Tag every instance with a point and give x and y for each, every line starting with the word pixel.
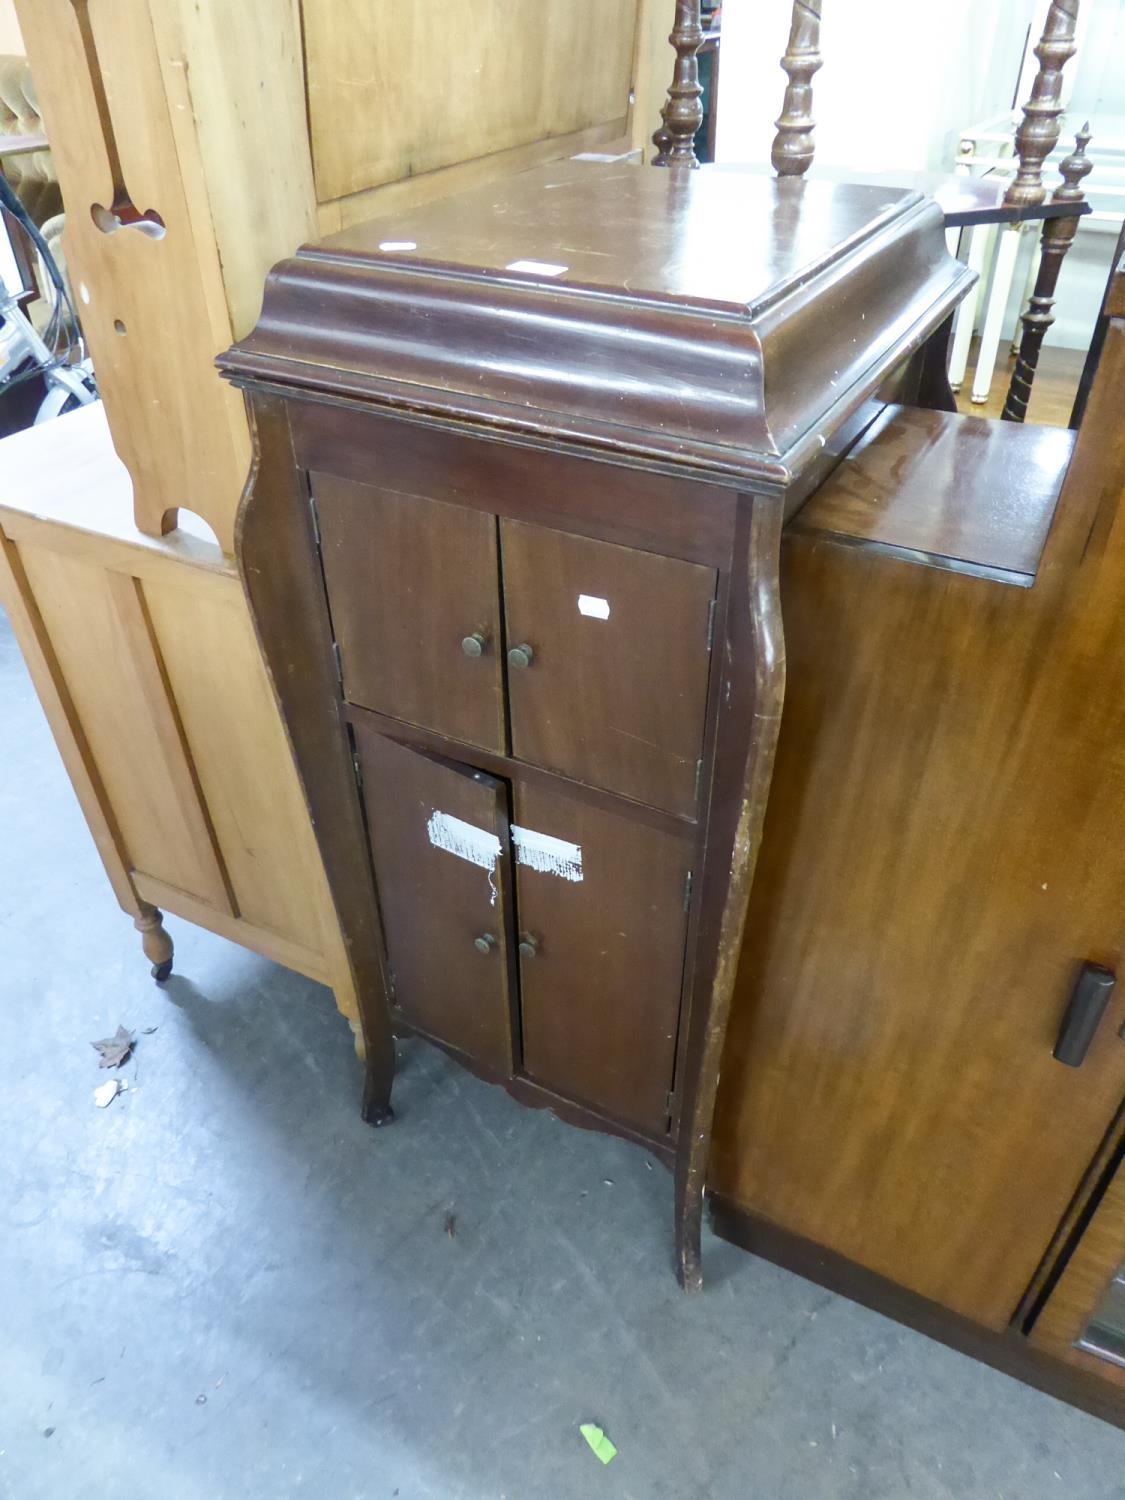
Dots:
pixel 156 943
pixel 743 771
pixel 280 571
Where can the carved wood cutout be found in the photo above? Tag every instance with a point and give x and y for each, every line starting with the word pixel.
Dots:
pixel 122 212
pixel 792 152
pixel 1038 134
pixel 683 110
pixel 1058 236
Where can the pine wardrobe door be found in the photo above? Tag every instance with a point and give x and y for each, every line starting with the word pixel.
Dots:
pixel 439 842
pixel 602 924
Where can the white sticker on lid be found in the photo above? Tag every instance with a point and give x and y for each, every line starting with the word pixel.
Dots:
pixel 590 604
pixel 550 856
pixel 398 245
pixel 536 267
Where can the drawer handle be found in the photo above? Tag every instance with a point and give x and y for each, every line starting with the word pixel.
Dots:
pixel 485 943
pixel 475 644
pixel 1083 1014
pixel 521 656
pixel 529 946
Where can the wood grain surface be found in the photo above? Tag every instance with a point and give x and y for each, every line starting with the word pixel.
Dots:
pixel 958 491
pixel 941 854
pixel 396 91
pixel 616 701
pixel 409 580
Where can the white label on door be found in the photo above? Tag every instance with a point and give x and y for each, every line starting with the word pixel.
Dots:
pixel 590 604
pixel 536 267
pixel 465 840
pixel 397 245
pixel 550 856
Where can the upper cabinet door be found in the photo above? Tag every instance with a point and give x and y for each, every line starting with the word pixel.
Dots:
pixel 413 588
pixel 602 909
pixel 608 657
pixel 439 840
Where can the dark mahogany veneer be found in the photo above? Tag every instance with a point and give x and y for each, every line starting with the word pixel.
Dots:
pixel 511 545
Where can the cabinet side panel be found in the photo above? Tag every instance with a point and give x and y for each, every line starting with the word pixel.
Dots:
pixel 244 765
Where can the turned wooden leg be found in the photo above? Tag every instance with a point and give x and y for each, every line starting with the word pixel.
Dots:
pixel 155 941
pixel 378 1076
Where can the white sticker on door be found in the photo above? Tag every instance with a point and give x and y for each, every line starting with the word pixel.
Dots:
pixel 590 604
pixel 550 856
pixel 464 840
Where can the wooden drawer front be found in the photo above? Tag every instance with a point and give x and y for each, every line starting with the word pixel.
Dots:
pixel 600 993
pixel 436 904
pixel 408 581
pixel 615 694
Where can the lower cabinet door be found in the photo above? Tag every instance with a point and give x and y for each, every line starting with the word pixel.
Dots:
pixel 602 923
pixel 439 841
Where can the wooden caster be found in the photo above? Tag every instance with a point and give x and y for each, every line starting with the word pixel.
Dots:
pixel 155 941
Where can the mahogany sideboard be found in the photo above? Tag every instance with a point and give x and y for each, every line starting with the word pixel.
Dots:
pixel 511 544
pixel 921 1101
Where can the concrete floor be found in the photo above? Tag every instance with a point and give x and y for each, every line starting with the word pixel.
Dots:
pixel 225 1285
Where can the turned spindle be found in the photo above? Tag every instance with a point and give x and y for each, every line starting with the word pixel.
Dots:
pixel 1058 236
pixel 682 114
pixel 1038 133
pixel 792 151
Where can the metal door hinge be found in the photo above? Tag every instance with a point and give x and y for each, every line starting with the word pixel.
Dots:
pixel 339 664
pixel 698 777
pixel 315 518
pixel 358 768
pixel 711 624
pixel 687 890
pixel 670 1103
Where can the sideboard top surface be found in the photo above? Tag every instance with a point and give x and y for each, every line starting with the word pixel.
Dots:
pixel 717 322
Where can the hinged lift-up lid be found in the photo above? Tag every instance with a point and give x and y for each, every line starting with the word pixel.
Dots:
pixel 706 321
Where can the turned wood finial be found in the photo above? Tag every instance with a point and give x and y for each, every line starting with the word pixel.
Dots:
pixel 683 109
pixel 1058 236
pixel 1039 130
pixel 792 152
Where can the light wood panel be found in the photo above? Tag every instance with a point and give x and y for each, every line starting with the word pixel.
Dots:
pixel 144 658
pixel 99 637
pixel 234 77
pixel 240 755
pixel 153 310
pixel 652 71
pixel 397 90
pixel 53 693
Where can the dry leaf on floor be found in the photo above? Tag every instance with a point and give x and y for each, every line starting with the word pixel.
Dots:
pixel 107 1092
pixel 115 1049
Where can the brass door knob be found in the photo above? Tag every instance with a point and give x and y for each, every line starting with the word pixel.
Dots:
pixel 529 946
pixel 520 656
pixel 485 943
pixel 473 645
